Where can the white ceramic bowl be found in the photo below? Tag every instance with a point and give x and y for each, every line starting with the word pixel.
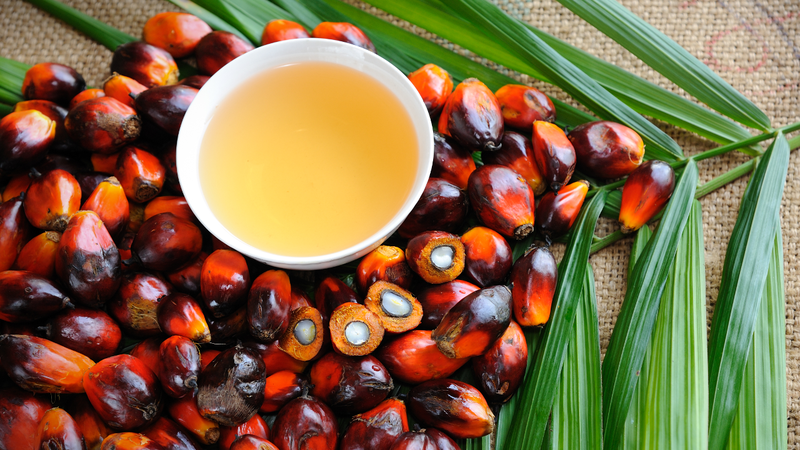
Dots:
pixel 278 54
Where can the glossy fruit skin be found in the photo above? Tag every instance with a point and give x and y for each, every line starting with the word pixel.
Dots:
pixel 195 81
pixel 256 426
pixel 87 260
pixel 554 153
pixel 645 193
pixel 92 427
pixel 177 205
pixel 52 199
pixel 282 30
pixel 20 414
pixel 533 279
pixel 442 206
pixel 129 441
pixel 472 116
pixel 503 200
pixel 267 303
pixel 473 325
pixel 89 180
pixel 453 406
pixel 305 423
pixel 169 435
pixel 52 81
pixel 350 385
pixel 28 297
pixel 123 88
pixel 165 242
pixel 289 343
pixel 231 388
pixel 165 106
pixel 606 149
pixel 280 388
pixel 25 138
pixel 488 256
pixel 180 315
pixel 16 186
pixel 42 366
pixel 376 429
pixel 135 304
pixel 229 329
pixel 331 293
pixel 177 33
pixel 185 412
pixel 108 200
pixel 148 352
pixel 442 441
pixel 218 48
pixel 187 278
pixel 385 263
pixel 86 95
pixel 14 231
pixel 437 299
pixel 451 161
pixel 57 114
pixel 299 298
pixel 418 255
pixel 522 105
pixel 90 332
pixel 140 173
pixel 500 370
pixel 58 430
pixel 517 154
pixel 434 85
pixel 179 366
pixel 414 358
pixel 414 440
pixel 103 124
pixel 39 254
pixel 124 391
pixel 344 32
pixel 145 63
pixel 251 442
pixel 557 212
pixel 225 280
pixel 276 360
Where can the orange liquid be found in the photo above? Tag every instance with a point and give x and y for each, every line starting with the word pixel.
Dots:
pixel 308 159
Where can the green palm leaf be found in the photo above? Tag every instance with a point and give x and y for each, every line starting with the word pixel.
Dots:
pixel 211 19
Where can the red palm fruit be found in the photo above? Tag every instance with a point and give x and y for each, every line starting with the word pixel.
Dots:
pixel 179 366
pixel 52 81
pixel 385 263
pixel 397 308
pixel 206 356
pixel 645 193
pixel 437 299
pixel 554 154
pixel 230 328
pixel 185 412
pixel 148 352
pixel 145 63
pixel 135 304
pixel 416 439
pixel 180 315
pixel 25 138
pixel 305 423
pixel 187 278
pixel 473 325
pixel 216 244
pixel 28 297
pixel 57 430
pixel 42 366
pixel 523 105
pixel 165 242
pixel 51 200
pixel 557 212
pixel 170 162
pixel 299 298
pixel 20 414
pixel 39 254
pixel 488 256
pixel 442 441
pixel 255 426
pixel 331 293
pixel 344 32
pixel 178 33
pixel 108 200
pixel 517 154
pixel 169 435
pixel 218 48
pixel 472 116
pixel 225 279
pixel 124 392
pixel 533 279
pixel 275 359
pixel 355 330
pixel 89 180
pixel 195 81
pixel 251 442
pixel 231 388
pixel 434 85
pixel 104 163
pixel 17 185
pixel 122 88
pixel 87 260
pixel 376 429
pixel 177 205
pixel 137 218
pixel 501 369
pixel 85 95
pixel 280 388
pixel 503 200
pixel 129 441
pixel 350 385
pixel 453 406
pixel 103 124
pixel 93 429
pixel 165 106
pixel 90 332
pixel 436 256
pixel 606 149
pixel 282 30
pixel 443 206
pixel 414 358
pixel 14 231
pixel 55 113
pixel 303 338
pixel 451 162
pixel 268 303
pixel 140 173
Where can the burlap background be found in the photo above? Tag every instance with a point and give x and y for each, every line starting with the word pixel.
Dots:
pixel 753 44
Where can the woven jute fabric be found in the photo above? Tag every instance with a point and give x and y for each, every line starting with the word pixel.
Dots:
pixel 752 44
